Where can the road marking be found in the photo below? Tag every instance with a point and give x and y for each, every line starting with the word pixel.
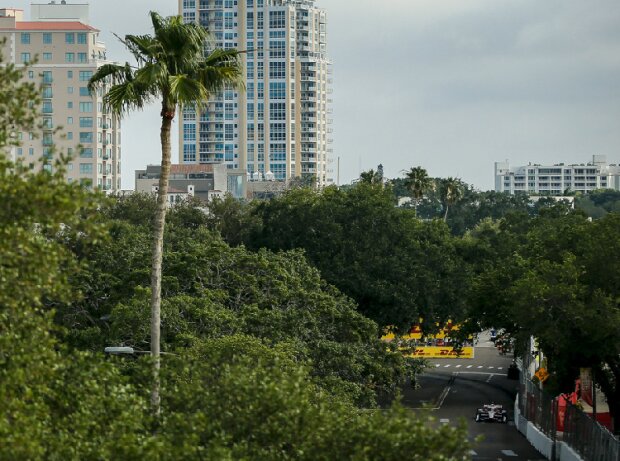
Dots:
pixel 489 378
pixel 499 368
pixel 458 366
pixel 437 365
pixel 444 421
pixel 490 367
pixel 479 366
pixel 446 366
pixel 509 453
pixel 469 366
pixel 476 373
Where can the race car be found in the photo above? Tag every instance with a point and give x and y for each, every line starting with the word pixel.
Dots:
pixel 492 412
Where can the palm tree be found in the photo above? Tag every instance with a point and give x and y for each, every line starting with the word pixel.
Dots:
pixel 417 183
pixel 172 68
pixel 371 177
pixel 451 192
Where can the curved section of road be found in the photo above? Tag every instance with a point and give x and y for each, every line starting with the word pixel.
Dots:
pixel 452 390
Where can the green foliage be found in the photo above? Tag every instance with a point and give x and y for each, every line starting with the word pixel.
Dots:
pixel 554 277
pixel 237 399
pixel 171 67
pixel 394 266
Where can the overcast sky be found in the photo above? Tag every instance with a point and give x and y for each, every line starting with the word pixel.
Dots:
pixel 451 85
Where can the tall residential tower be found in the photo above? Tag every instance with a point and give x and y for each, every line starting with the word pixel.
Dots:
pixel 278 127
pixel 68 53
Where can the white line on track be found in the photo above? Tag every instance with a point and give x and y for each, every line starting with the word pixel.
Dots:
pixel 469 366
pixel 480 366
pixel 446 366
pixel 458 366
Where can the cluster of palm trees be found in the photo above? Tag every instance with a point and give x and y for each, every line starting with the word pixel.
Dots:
pixel 419 183
pixel 173 69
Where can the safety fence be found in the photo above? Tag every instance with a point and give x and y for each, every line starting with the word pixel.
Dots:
pixel 588 438
pixel 585 436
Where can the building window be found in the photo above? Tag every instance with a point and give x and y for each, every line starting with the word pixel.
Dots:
pixel 69 57
pixel 84 91
pixel 25 38
pixel 70 38
pixel 81 38
pixel 86 137
pixel 85 75
pixel 86 122
pixel 47 38
pixel 69 74
pixel 69 120
pixel 47 107
pixel 46 92
pixel 47 56
pixel 277 69
pixel 69 104
pixel 86 107
pixel 25 58
pixel 86 168
pixel 70 135
pixel 189 132
pixel 277 90
pixel 86 153
pixel 82 57
pixel 189 152
pixel 277 19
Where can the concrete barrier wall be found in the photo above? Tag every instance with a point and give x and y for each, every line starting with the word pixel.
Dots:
pixel 566 453
pixel 539 440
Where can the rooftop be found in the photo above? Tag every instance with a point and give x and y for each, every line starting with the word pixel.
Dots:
pixel 44 25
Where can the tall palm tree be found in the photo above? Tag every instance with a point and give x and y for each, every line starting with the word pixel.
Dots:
pixel 451 192
pixel 172 68
pixel 417 183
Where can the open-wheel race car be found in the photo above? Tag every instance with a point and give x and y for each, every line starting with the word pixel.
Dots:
pixel 492 412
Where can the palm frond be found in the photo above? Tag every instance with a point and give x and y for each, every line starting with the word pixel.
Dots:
pixel 113 73
pixel 144 47
pixel 127 96
pixel 220 68
pixel 185 90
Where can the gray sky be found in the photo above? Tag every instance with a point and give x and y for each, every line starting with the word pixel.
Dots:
pixel 451 85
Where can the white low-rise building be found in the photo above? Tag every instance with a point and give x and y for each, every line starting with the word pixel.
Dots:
pixel 557 179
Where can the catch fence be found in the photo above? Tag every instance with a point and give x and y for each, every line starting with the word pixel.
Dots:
pixel 585 436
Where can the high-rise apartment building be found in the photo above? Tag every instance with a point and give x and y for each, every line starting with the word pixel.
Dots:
pixel 67 53
pixel 276 128
pixel 556 179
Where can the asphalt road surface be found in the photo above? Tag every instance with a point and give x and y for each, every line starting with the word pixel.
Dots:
pixel 452 389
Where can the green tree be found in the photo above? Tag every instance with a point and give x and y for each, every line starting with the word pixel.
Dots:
pixel 451 190
pixel 417 183
pixel 543 277
pixel 172 67
pixel 371 177
pixel 394 266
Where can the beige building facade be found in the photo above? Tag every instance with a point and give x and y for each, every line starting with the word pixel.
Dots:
pixel 278 128
pixel 61 52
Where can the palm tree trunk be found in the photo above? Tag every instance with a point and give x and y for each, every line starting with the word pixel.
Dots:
pixel 157 253
pixel 445 216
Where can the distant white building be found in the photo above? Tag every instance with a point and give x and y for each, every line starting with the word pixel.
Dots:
pixel 556 179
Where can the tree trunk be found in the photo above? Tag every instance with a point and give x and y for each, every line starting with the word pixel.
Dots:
pixel 167 115
pixel 445 216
